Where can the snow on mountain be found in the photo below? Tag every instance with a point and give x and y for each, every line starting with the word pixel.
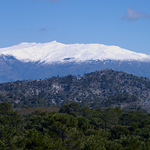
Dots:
pixel 58 52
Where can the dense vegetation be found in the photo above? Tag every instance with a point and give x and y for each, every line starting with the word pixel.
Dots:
pixel 100 89
pixel 74 128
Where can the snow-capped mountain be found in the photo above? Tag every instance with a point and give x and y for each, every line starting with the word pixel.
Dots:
pixel 38 61
pixel 56 52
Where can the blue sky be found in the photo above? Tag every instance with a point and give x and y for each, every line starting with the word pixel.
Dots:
pixel 123 23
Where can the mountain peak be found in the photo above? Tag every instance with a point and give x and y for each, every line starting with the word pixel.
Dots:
pixel 57 52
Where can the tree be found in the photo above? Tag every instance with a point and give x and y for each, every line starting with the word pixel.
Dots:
pixel 111 117
pixel 72 108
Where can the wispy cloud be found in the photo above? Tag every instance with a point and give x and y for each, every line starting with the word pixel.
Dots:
pixel 48 0
pixel 47 29
pixel 54 0
pixel 134 15
pixel 44 29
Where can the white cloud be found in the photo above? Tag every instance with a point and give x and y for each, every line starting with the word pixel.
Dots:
pixel 134 15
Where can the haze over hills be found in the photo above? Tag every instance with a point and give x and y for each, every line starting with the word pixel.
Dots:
pixel 38 61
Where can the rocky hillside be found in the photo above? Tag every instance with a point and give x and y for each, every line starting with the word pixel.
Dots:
pixel 100 89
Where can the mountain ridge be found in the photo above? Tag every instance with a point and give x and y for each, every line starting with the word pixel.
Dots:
pixel 99 89
pixel 53 52
pixel 40 61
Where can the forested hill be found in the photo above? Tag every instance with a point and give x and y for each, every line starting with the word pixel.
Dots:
pixel 100 89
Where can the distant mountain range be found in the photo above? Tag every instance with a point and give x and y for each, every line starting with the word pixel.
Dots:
pixel 38 61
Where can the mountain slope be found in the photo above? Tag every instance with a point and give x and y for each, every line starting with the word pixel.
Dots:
pixel 39 61
pixel 100 89
pixel 12 69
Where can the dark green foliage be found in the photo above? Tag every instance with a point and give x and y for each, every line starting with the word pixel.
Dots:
pixel 119 98
pixel 37 141
pixel 72 108
pixel 5 108
pixel 74 129
pixel 11 125
pixel 118 131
